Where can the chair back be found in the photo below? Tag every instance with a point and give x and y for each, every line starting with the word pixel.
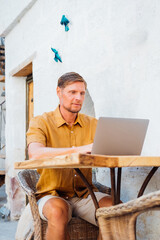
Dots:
pixel 28 180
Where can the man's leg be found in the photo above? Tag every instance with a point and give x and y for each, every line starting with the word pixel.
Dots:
pixel 85 208
pixel 56 211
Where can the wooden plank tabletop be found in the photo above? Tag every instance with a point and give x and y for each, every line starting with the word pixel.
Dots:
pixel 88 160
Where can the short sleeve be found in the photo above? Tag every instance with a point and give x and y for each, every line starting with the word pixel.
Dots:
pixel 37 131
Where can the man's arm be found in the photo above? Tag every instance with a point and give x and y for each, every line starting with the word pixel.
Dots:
pixel 38 150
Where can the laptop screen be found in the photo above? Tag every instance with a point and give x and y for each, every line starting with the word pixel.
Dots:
pixel 119 136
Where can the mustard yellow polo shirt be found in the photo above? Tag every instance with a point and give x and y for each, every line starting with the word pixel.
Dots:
pixel 51 130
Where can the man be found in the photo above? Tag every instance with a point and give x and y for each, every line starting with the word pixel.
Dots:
pixel 61 192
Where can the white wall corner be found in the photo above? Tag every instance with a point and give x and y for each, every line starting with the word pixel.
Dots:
pixel 12 13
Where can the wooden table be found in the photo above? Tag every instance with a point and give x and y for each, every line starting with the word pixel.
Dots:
pixel 78 161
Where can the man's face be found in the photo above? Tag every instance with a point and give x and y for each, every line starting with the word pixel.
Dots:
pixel 72 96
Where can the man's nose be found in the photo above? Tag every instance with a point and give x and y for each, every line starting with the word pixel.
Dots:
pixel 78 96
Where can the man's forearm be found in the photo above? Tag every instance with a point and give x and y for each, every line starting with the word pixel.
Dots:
pixel 45 152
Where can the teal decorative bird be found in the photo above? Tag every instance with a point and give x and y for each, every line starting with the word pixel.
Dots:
pixel 57 57
pixel 65 21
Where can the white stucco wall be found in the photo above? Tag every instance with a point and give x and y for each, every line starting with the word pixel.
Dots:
pixel 115 47
pixel 12 13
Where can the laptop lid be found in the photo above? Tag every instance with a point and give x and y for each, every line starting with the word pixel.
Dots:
pixel 119 136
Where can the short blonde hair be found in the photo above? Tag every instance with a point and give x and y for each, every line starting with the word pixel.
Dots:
pixel 69 78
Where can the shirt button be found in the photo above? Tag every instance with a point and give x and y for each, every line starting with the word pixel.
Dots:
pixel 71 131
pixel 75 175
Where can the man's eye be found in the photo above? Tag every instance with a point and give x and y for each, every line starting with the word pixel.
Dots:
pixel 82 93
pixel 73 92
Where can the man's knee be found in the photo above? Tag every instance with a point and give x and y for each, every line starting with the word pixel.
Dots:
pixel 56 211
pixel 105 202
pixel 58 215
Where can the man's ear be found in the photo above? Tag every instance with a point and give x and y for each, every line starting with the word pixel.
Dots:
pixel 58 91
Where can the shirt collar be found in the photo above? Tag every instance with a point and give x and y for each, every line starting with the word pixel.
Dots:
pixel 78 120
pixel 60 120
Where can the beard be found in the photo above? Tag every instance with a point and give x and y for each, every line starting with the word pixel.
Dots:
pixel 72 110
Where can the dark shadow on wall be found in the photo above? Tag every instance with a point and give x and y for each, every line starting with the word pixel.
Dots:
pixel 88 105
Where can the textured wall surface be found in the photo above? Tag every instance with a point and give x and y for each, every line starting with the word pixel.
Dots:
pixel 12 13
pixel 115 47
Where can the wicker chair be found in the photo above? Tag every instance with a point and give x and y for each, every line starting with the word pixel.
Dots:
pixel 78 228
pixel 119 222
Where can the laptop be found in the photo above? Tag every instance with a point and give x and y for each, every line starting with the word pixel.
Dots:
pixel 119 136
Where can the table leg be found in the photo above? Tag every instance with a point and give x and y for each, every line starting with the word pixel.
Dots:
pixel 88 186
pixel 146 181
pixel 113 188
pixel 118 185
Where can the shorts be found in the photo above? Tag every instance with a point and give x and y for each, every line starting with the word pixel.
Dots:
pixel 78 207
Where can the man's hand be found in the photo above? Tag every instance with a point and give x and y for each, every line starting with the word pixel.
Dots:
pixel 86 149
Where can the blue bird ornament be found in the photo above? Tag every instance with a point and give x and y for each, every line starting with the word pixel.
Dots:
pixel 57 57
pixel 65 21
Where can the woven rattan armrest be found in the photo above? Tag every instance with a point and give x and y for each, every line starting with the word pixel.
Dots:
pixel 140 204
pixel 27 180
pixel 102 188
pixel 119 222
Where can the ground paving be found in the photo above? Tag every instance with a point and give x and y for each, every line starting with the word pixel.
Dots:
pixel 7 228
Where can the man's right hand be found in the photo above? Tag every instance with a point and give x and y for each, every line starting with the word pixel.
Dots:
pixel 86 149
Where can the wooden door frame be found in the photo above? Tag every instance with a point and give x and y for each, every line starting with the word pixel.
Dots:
pixel 28 80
